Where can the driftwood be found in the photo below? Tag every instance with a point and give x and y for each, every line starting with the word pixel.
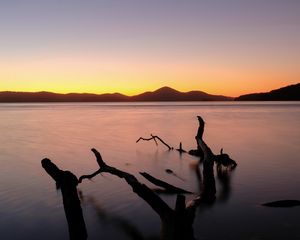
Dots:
pixel 221 159
pixel 167 187
pixel 68 182
pixel 157 204
pixel 196 152
pixel 208 193
pixel 176 223
pixel 283 203
pixel 153 137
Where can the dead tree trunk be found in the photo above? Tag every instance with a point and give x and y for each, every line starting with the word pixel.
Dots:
pixel 209 185
pixel 68 182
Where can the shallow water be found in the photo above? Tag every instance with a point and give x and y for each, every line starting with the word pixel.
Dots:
pixel 264 139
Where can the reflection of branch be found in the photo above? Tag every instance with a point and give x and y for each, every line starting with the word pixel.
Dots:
pixel 68 184
pixel 196 168
pixel 125 226
pixel 168 187
pixel 224 177
pixel 153 137
pixel 158 205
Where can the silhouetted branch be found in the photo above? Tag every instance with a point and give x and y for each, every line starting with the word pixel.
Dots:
pixel 153 137
pixel 168 187
pixel 223 159
pixel 90 176
pixel 177 224
pixel 68 184
pixel 158 205
pixel 208 155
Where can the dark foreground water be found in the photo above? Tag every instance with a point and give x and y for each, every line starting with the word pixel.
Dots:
pixel 264 138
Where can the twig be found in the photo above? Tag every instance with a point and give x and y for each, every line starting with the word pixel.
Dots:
pixel 153 137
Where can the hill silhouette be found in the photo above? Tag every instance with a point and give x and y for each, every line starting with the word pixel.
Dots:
pixel 162 94
pixel 56 97
pixel 289 93
pixel 170 94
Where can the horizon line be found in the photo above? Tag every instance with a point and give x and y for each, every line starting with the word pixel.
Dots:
pixel 94 93
pixel 194 90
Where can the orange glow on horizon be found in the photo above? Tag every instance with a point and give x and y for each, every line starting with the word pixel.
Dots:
pixel 134 76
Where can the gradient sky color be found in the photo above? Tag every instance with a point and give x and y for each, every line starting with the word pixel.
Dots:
pixel 228 47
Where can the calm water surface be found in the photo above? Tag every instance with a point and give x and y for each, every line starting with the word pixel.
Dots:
pixel 264 139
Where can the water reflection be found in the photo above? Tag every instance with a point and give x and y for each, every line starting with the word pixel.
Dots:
pixel 224 177
pixel 122 224
pixel 266 149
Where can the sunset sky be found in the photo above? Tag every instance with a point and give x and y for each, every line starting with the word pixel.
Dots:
pixel 228 47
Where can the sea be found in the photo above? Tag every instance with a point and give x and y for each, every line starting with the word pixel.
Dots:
pixel 262 137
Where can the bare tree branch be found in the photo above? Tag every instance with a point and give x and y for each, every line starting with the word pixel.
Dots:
pixel 157 204
pixel 153 137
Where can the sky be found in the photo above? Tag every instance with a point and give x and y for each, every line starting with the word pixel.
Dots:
pixel 228 47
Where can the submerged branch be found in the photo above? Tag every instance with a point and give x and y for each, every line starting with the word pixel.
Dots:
pixel 157 204
pixel 282 203
pixel 168 187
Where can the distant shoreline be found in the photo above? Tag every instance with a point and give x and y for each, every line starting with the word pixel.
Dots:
pixel 157 102
pixel 164 94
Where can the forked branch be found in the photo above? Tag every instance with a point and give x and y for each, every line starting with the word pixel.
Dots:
pixel 154 138
pixel 158 205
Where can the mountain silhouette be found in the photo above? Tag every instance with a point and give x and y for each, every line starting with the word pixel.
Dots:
pixel 289 93
pixel 170 94
pixel 56 97
pixel 162 94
